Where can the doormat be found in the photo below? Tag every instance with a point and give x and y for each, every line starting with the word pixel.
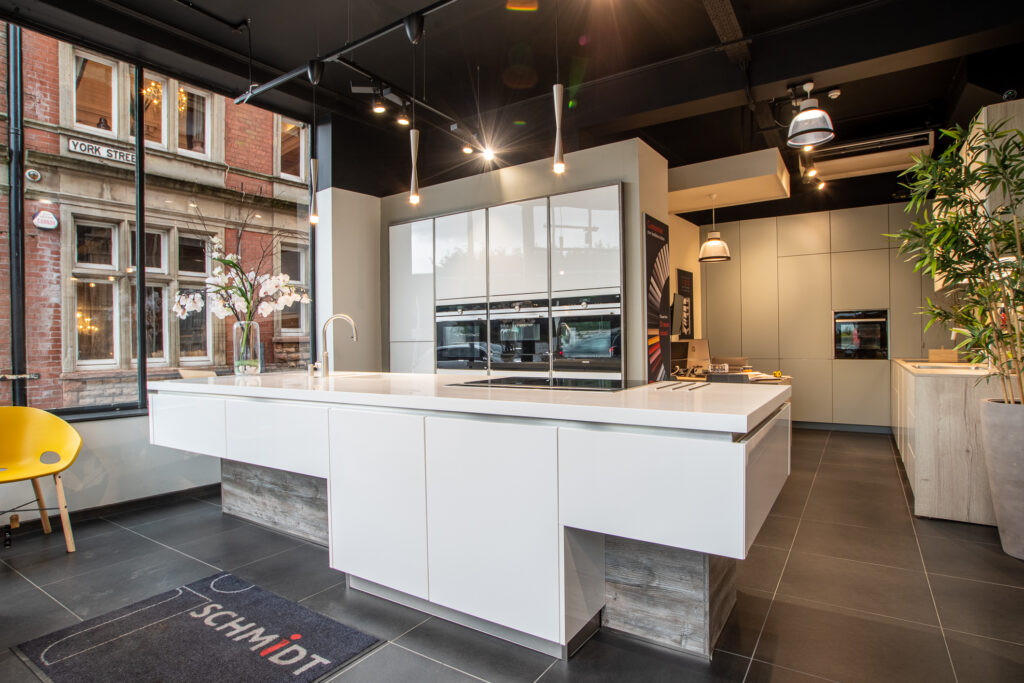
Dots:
pixel 216 629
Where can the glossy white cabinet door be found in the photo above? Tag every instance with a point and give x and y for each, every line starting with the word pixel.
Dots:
pixel 517 247
pixel 411 269
pixel 377 496
pixel 284 435
pixel 460 255
pixel 189 423
pixel 585 246
pixel 412 357
pixel 492 516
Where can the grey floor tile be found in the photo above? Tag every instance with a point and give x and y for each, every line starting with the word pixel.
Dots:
pixel 961 531
pixel 36 540
pixel 793 496
pixel 296 573
pixel 856 490
pixel 12 670
pixel 882 461
pixel 761 569
pixel 191 526
pixel 891 516
pixel 897 593
pixel 968 560
pixel 475 653
pixel 745 621
pixel 158 511
pixel 121 584
pixel 367 613
pixel 810 436
pixel 763 672
pixel 777 532
pixel 982 609
pixel 982 660
pixel 843 645
pixel 892 548
pixel 856 472
pixel 56 564
pixel 804 460
pixel 613 658
pixel 392 663
pixel 12 582
pixel 28 615
pixel 238 546
pixel 860 441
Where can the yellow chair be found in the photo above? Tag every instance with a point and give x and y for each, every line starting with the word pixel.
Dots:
pixel 34 444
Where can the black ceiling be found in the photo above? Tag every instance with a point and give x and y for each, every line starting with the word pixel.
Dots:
pixel 654 69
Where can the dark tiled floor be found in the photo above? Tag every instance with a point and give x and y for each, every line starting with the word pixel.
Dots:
pixel 842 584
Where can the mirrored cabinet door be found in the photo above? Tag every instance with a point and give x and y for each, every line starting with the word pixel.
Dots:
pixel 586 240
pixel 460 255
pixel 518 247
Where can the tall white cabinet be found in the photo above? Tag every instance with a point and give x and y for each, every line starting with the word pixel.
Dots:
pixel 517 248
pixel 460 255
pixel 586 238
pixel 411 277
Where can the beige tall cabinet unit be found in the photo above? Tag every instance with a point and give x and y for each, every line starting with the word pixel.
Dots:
pixel 722 296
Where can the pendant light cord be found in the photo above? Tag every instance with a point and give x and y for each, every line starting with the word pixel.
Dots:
pixel 558 77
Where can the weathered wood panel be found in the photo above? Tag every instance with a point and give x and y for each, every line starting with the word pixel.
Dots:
pixel 676 598
pixel 290 503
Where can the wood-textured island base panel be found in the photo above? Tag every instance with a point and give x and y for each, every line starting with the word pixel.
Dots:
pixel 677 598
pixel 286 501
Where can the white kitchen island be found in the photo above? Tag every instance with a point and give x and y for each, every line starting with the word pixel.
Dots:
pixel 534 515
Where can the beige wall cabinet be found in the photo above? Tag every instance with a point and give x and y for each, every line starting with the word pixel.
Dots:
pixel 812 388
pixel 723 296
pixel 805 307
pixel 937 427
pixel 860 280
pixel 759 289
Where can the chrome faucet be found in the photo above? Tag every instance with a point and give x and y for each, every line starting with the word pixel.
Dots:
pixel 325 356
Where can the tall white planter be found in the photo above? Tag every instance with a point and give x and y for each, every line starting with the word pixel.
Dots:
pixel 1002 429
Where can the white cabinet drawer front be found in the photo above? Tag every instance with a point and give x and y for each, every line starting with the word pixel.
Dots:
pixel 676 491
pixel 767 468
pixel 492 517
pixel 285 436
pixel 377 494
pixel 189 423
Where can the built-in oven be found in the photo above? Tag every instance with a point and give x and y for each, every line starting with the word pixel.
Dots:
pixel 587 333
pixel 862 334
pixel 461 342
pixel 520 335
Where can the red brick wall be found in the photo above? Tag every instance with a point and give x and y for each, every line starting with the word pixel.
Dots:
pixel 41 76
pixel 43 310
pixel 248 138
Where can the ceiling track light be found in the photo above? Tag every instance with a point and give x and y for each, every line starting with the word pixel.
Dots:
pixel 559 160
pixel 714 249
pixel 414 182
pixel 403 117
pixel 812 126
pixel 378 101
pixel 466 149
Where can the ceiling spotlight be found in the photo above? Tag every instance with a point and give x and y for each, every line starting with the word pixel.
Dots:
pixel 466 149
pixel 811 172
pixel 403 117
pixel 488 153
pixel 812 125
pixel 378 101
pixel 821 185
pixel 834 93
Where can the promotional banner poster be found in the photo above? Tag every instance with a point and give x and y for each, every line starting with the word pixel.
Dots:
pixel 684 278
pixel 659 350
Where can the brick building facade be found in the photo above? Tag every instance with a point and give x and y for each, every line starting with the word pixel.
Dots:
pixel 213 168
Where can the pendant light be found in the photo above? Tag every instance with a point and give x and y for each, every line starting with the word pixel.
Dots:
pixel 314 69
pixel 714 249
pixel 414 182
pixel 559 161
pixel 812 125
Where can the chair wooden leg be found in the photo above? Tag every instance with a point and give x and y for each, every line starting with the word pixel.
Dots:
pixel 65 520
pixel 44 517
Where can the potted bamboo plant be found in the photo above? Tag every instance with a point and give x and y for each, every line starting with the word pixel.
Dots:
pixel 970 200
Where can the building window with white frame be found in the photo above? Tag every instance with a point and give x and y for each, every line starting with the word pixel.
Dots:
pixel 294 264
pixel 193 121
pixel 154 91
pixel 291 149
pixel 95 90
pixel 96 322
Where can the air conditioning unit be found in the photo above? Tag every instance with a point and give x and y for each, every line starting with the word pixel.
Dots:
pixel 867 157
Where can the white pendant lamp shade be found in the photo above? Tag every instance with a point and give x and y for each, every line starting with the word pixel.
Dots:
pixel 714 249
pixel 414 182
pixel 314 216
pixel 559 162
pixel 811 126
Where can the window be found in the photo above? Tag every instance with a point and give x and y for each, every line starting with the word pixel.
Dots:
pixel 192 255
pixel 155 320
pixel 155 251
pixel 193 334
pixel 152 107
pixel 95 85
pixel 293 264
pixel 291 149
pixel 192 123
pixel 94 245
pixel 96 322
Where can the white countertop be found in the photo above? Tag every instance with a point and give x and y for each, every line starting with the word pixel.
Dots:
pixel 720 407
pixel 926 368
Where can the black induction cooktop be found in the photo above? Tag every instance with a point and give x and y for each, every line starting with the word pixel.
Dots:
pixel 568 383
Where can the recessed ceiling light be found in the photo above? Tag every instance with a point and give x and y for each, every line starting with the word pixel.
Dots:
pixel 821 185
pixel 466 149
pixel 488 153
pixel 811 172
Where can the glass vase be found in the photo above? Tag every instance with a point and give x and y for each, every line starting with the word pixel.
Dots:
pixel 247 348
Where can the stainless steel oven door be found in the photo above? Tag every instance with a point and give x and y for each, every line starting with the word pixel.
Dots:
pixel 461 337
pixel 520 341
pixel 587 341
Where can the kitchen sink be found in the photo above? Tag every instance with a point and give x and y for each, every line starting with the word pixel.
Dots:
pixel 947 366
